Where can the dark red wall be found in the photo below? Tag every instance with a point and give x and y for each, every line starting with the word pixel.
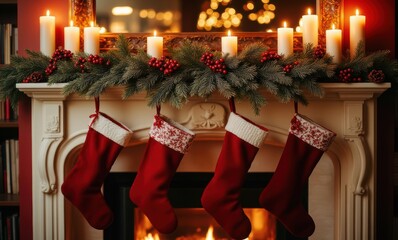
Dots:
pixel 380 23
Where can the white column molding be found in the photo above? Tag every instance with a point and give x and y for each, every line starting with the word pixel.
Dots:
pixel 358 204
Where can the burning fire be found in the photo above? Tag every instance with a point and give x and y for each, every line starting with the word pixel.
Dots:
pixel 150 237
pixel 209 234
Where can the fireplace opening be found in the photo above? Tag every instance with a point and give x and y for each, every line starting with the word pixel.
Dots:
pixel 194 222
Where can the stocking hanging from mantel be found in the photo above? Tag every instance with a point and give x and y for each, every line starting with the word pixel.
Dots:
pixel 221 196
pixel 305 145
pixel 82 187
pixel 167 144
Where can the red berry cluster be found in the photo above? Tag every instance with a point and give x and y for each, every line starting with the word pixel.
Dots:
pixel 288 67
pixel 319 52
pixel 96 59
pixel 165 65
pixel 270 56
pixel 215 65
pixel 376 76
pixel 347 75
pixel 58 55
pixel 80 63
pixel 34 78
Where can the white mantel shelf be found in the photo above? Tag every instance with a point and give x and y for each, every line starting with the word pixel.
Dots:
pixel 332 91
pixel 59 126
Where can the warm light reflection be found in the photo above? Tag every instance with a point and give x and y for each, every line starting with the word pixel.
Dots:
pixel 122 11
pixel 102 30
pixel 219 14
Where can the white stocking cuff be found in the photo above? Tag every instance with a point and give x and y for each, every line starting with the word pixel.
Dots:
pixel 112 129
pixel 246 130
pixel 171 134
pixel 311 132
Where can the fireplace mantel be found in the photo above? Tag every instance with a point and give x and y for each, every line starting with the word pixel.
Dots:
pixel 59 125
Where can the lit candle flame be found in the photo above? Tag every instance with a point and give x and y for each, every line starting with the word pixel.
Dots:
pixel 284 24
pixel 229 33
pixel 48 12
pixel 333 26
pixel 209 234
pixel 71 23
pixel 155 33
pixel 309 11
pixel 357 12
pixel 92 24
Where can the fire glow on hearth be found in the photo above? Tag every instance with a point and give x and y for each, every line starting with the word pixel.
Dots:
pixel 196 224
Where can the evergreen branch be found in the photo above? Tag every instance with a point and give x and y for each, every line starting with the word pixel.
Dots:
pixel 224 87
pixel 252 53
pixel 66 72
pixel 123 45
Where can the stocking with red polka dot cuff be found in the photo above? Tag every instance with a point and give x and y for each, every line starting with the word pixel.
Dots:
pixel 221 196
pixel 82 186
pixel 167 144
pixel 305 145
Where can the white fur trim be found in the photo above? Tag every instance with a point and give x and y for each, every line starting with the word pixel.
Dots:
pixel 171 134
pixel 246 130
pixel 118 134
pixel 311 132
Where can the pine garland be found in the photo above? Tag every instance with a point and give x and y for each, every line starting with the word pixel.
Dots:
pixel 242 77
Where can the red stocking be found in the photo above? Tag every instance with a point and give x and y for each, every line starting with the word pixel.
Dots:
pixel 221 196
pixel 104 141
pixel 166 146
pixel 305 145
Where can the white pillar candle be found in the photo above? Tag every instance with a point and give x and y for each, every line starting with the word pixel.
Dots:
pixel 285 40
pixel 357 31
pixel 72 38
pixel 155 46
pixel 333 44
pixel 47 34
pixel 229 45
pixel 91 39
pixel 310 29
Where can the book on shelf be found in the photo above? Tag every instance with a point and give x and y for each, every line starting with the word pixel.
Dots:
pixel 7 113
pixel 9 225
pixel 8 42
pixel 2 111
pixel 9 155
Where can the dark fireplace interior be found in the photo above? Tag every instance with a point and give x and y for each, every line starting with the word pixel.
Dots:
pixel 194 223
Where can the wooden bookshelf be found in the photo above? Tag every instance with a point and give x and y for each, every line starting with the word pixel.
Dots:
pixel 9 200
pixel 8 1
pixel 8 124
